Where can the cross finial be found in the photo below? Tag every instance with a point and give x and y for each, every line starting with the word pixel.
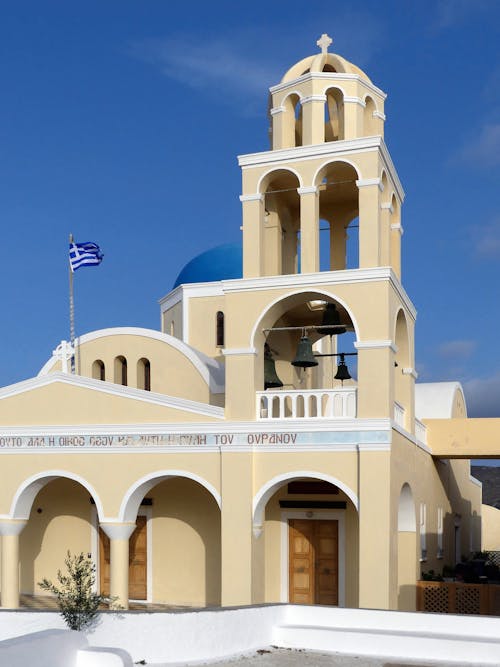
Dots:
pixel 324 42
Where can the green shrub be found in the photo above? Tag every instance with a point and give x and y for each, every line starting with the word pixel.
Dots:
pixel 77 602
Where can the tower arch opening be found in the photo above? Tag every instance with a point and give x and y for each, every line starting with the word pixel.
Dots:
pixel 339 208
pixel 334 113
pixel 281 222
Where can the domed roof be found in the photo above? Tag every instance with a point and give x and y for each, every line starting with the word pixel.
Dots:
pixel 224 262
pixel 323 62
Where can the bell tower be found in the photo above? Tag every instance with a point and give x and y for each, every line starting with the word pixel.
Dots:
pixel 321 216
pixel 328 170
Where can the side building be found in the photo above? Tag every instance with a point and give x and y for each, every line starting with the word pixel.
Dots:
pixel 270 443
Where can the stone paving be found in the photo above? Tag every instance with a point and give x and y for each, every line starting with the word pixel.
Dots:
pixel 279 657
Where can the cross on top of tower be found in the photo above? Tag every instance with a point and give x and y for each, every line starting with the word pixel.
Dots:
pixel 324 42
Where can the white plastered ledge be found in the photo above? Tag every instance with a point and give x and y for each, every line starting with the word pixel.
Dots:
pixel 434 400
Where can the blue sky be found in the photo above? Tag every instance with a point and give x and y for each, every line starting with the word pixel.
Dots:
pixel 120 121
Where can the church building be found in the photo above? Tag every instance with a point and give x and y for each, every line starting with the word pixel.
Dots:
pixel 271 443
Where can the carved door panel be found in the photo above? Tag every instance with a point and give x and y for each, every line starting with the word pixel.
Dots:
pixel 313 561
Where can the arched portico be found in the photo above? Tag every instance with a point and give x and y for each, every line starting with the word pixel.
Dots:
pixel 45 506
pixel 305 526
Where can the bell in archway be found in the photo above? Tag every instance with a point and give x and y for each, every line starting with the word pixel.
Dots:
pixel 342 370
pixel 331 317
pixel 271 379
pixel 304 358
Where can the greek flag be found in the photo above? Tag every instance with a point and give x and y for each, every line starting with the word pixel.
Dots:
pixel 84 254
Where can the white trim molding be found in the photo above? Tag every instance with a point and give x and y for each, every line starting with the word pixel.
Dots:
pixel 277 110
pixel 375 345
pixel 256 196
pixel 307 190
pixel 241 351
pixel 355 100
pixel 363 183
pixel 396 226
pixel 387 206
pixel 104 387
pixel 410 371
pixel 329 78
pixel 313 98
pixel 379 114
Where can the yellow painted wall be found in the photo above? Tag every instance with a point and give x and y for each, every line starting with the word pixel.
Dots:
pixel 186 544
pixel 490 528
pixel 64 523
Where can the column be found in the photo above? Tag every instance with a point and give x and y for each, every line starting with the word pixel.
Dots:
pixel 236 528
pixel 375 379
pixel 10 531
pixel 313 119
pixel 119 534
pixel 353 117
pixel 243 366
pixel 309 229
pixel 377 582
pixel 280 137
pixel 338 241
pixel 369 223
pixel 396 234
pixel 385 234
pixel 253 233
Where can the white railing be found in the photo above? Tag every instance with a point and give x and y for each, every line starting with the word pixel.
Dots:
pixel 308 404
pixel 399 414
pixel 420 431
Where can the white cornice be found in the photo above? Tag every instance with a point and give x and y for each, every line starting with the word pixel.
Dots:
pixel 310 151
pixel 277 110
pixel 379 114
pixel 330 76
pixel 334 148
pixel 190 428
pixel 114 390
pixel 306 280
pixel 210 370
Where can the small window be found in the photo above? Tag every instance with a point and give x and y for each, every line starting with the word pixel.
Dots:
pixel 144 374
pixel 121 371
pixel 98 370
pixel 220 329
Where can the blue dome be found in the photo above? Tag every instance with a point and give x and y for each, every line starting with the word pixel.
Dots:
pixel 223 262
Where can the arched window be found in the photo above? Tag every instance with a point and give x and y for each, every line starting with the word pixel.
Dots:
pixel 121 370
pixel 98 370
pixel 219 329
pixel 144 374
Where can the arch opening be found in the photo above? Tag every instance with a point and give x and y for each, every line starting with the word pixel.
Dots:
pixel 184 521
pixel 308 522
pixel 334 113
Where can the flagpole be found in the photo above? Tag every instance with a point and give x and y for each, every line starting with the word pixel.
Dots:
pixel 71 313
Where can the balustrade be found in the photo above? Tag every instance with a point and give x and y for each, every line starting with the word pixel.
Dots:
pixel 308 404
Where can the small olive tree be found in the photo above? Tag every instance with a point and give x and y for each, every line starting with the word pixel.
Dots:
pixel 77 602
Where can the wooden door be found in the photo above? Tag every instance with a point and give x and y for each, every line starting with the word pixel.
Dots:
pixel 137 573
pixel 313 561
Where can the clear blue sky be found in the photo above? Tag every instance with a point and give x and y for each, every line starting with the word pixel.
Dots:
pixel 120 121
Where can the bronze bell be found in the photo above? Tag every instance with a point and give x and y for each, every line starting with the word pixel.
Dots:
pixel 271 379
pixel 331 317
pixel 304 358
pixel 342 370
